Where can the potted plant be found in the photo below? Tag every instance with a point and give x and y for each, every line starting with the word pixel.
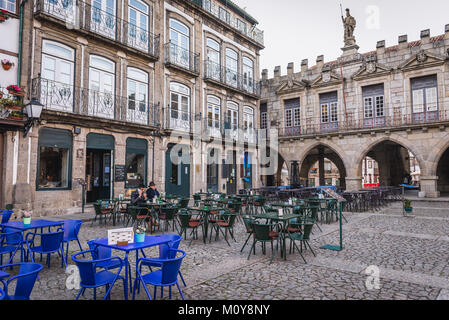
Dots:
pixel 3 16
pixel 6 64
pixel 140 233
pixel 408 206
pixel 16 90
pixel 10 104
pixel 15 115
pixel 26 215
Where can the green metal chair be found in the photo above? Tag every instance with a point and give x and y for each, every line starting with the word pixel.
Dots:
pixel 168 215
pixel 265 233
pixel 187 222
pixel 226 221
pixel 248 222
pixel 301 235
pixel 101 212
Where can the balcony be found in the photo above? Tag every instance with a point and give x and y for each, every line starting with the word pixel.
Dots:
pixel 230 79
pixel 180 58
pixel 70 99
pixel 353 122
pixel 103 25
pixel 212 7
pixel 178 120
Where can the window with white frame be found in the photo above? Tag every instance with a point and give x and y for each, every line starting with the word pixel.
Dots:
pixel 241 25
pixel 329 107
pixel 138 15
pixel 232 67
pixel 292 112
pixel 179 43
pixel 57 72
pixel 248 118
pixel 424 94
pixel 213 59
pixel 373 101
pixel 137 84
pixel 213 112
pixel 101 87
pixel 248 74
pixel 180 101
pixel 232 115
pixel 8 5
pixel 224 15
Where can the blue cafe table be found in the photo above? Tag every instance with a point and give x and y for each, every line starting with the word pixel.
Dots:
pixel 150 241
pixel 35 224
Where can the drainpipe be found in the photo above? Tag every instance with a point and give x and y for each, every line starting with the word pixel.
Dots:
pixel 19 67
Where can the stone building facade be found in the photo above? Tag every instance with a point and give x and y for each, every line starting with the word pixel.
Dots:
pixel 124 83
pixel 381 104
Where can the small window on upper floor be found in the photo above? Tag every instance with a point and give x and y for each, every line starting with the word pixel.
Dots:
pixel 224 15
pixel 8 5
pixel 242 26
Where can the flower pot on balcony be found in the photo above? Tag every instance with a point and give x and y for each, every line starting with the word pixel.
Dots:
pixel 17 93
pixel 3 19
pixel 6 66
pixel 13 107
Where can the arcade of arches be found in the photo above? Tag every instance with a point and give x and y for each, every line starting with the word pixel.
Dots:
pixel 395 161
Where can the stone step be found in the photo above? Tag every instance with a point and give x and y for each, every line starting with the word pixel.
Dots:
pixel 424 204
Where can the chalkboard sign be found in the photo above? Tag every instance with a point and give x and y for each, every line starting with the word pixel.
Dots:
pixel 119 173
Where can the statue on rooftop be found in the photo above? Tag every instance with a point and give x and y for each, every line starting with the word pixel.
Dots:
pixel 349 23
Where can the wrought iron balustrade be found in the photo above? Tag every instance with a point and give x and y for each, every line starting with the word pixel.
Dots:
pixel 80 15
pixel 231 78
pixel 68 98
pixel 181 57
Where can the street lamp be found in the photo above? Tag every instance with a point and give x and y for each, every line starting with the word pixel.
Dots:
pixel 33 109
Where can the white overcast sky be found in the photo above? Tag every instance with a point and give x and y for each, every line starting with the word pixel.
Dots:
pixel 304 29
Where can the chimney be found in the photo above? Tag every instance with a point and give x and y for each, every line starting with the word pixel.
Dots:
pixel 277 72
pixel 403 41
pixel 265 74
pixel 290 68
pixel 304 66
pixel 380 47
pixel 425 36
pixel 446 30
pixel 320 61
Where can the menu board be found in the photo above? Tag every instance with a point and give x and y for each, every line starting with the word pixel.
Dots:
pixel 331 193
pixel 119 173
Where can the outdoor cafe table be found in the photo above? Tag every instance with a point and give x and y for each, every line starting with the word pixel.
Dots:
pixel 289 207
pixel 205 212
pixel 35 224
pixel 150 241
pixel 284 220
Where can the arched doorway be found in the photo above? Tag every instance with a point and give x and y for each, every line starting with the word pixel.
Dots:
pixel 389 163
pixel 443 174
pixel 322 166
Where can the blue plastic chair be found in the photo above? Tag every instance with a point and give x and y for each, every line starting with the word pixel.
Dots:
pixel 10 242
pixel 26 278
pixel 71 230
pixel 50 243
pixel 103 253
pixel 164 252
pixel 6 215
pixel 2 294
pixel 167 276
pixel 92 279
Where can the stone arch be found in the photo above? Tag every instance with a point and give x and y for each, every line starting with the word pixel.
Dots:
pixel 276 179
pixel 335 155
pixel 396 139
pixel 436 157
pixel 440 168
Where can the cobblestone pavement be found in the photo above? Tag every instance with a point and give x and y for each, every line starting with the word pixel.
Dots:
pixel 412 255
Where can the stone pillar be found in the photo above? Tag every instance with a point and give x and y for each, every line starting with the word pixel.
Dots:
pixel 321 167
pixel 429 185
pixel 353 183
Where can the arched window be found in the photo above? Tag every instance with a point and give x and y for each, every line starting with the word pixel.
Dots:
pixel 101 87
pixel 57 72
pixel 213 112
pixel 179 106
pixel 138 17
pixel 248 118
pixel 103 19
pixel 213 59
pixel 179 43
pixel 248 74
pixel 137 96
pixel 232 67
pixel 232 115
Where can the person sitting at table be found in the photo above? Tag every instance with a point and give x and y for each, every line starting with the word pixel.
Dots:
pixel 139 195
pixel 152 191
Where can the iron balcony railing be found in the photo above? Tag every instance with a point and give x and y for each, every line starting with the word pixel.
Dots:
pixel 213 8
pixel 213 128
pixel 232 79
pixel 63 97
pixel 77 14
pixel 180 57
pixel 178 120
pixel 357 121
